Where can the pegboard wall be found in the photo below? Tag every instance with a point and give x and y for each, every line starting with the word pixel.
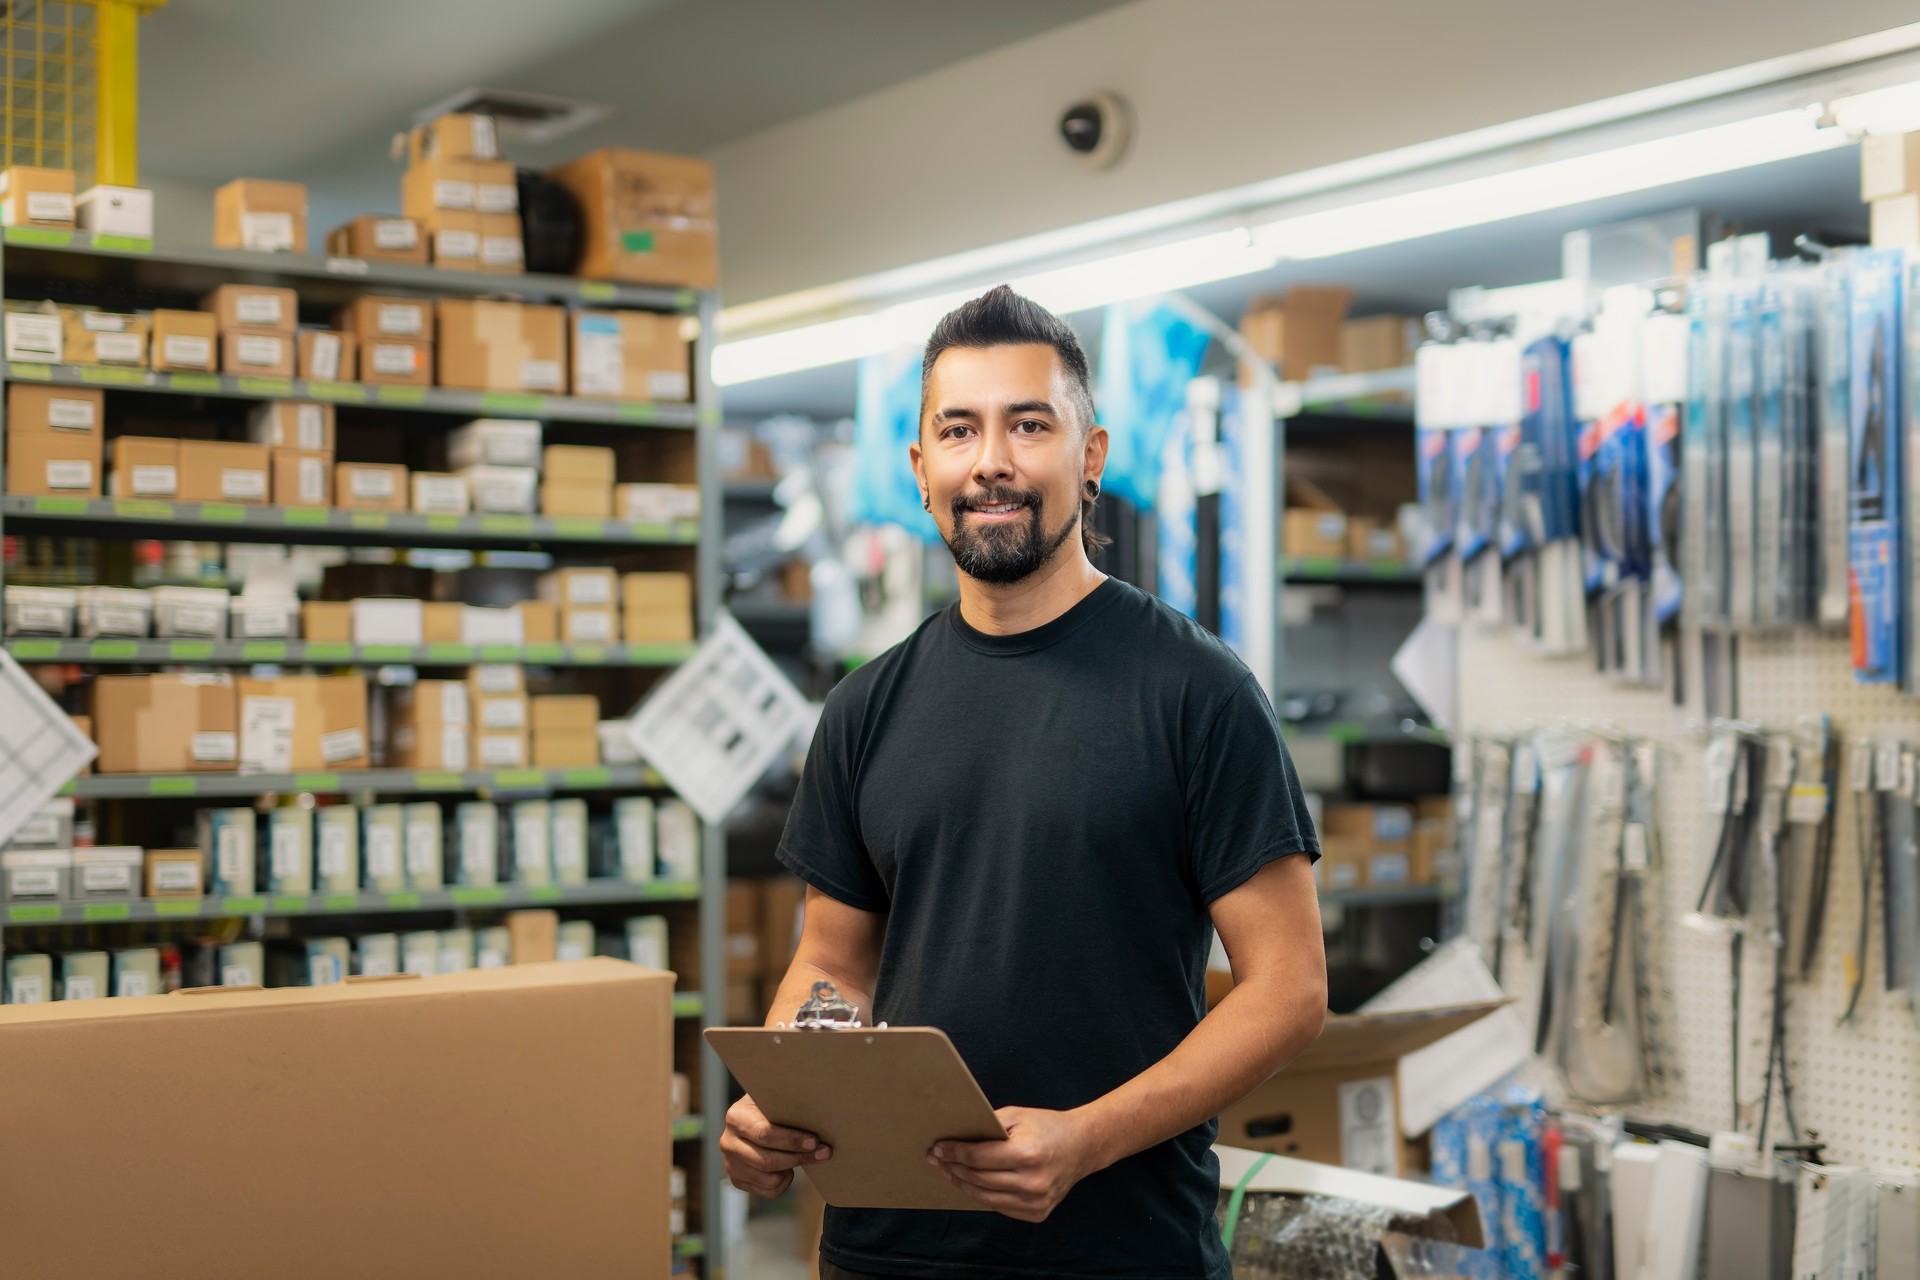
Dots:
pixel 1857 1086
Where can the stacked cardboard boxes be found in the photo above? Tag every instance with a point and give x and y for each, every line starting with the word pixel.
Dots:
pixel 257 325
pixel 300 438
pixel 392 338
pixel 465 197
pixel 430 726
pixel 499 458
pixel 36 197
pixel 54 440
pixel 1890 184
pixel 577 480
pixel 1378 846
pixel 1298 332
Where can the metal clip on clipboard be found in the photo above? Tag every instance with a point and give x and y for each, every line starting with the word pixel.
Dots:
pixel 824 1010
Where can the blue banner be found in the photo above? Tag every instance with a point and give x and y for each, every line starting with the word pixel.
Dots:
pixel 886 421
pixel 1149 352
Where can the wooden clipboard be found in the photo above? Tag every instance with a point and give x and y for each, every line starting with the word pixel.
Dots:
pixel 879 1097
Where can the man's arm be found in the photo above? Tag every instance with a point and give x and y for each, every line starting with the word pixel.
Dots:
pixel 838 944
pixel 1270 926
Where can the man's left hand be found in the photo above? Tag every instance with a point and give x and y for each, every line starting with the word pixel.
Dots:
pixel 1029 1172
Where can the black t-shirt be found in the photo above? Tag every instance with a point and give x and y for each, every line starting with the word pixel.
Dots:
pixel 1044 818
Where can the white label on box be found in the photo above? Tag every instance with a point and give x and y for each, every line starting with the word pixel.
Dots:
pixel 453 746
pixel 334 840
pixel 485 145
pixel 1368 1135
pixel 540 375
pixel 213 747
pixel 593 627
pixel 1385 870
pixel 323 970
pixel 43 828
pixel 102 322
pixel 310 481
pixel 501 251
pixel 373 485
pixel 258 308
pixel 72 473
pixel 1343 875
pixel 456 246
pixel 236 975
pixel 476 847
pixel 27 990
pixel 33 881
pixel 80 986
pixel 490 626
pixel 233 854
pixel 569 842
pixel 496 677
pixel 383 852
pixel 257 349
pixel 589 589
pixel 598 368
pixel 177 877
pixel 40 617
pixel 488 958
pixel 194 620
pixel 453 702
pixel 439 495
pixel 568 950
pixel 418 962
pixel 289 852
pixel 502 751
pixel 266 734
pixel 348 266
pixel 119 348
pixel 310 426
pixel 423 848
pixel 243 484
pixel 395 233
pixel 324 356
pixel 399 320
pixel 497 197
pixel 33 337
pixel 342 744
pixel 134 983
pixel 71 415
pixel 503 713
pixel 376 967
pixel 113 878
pixel 119 619
pixel 663 384
pixel 49 206
pixel 497 493
pixel 395 358
pixel 266 232
pixel 187 349
pixel 676 1222
pixel 271 621
pixel 452 193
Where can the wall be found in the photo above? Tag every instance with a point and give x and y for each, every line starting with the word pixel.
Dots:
pixel 1225 93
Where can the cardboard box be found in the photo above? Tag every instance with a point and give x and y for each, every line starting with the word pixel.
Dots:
pixel 743 929
pixel 1374 540
pixel 1895 222
pixel 45 463
pixel 396 362
pixel 656 503
pixel 436 493
pixel 631 355
pixel 260 355
pixel 1338 1102
pixel 484 678
pixel 1378 342
pixel 292 424
pixel 484 625
pixel 593 588
pixel 420 744
pixel 454 239
pixel 103 337
pixel 326 356
pixel 380 238
pixel 534 937
pixel 1889 165
pixel 564 498
pixel 302 478
pixel 254 308
pixel 1418 1209
pixel 124 1085
pixel 502 346
pixel 565 713
pixel 185 341
pixel 388 621
pixel 657 608
pixel 579 463
pixel 501 248
pixel 62 411
pixel 253 213
pixel 589 625
pixel 782 904
pixel 501 712
pixel 221 471
pixel 501 750
pixel 458 135
pixel 370 486
pixel 175 873
pixel 170 723
pixel 297 723
pixel 440 622
pixel 1314 526
pixel 512 490
pixel 378 316
pixel 32 197
pixel 1299 331
pixel 190 612
pixel 330 621
pixel 647 218
pixel 494 442
pixel 539 621
pixel 116 211
pixel 564 750
pixel 438 184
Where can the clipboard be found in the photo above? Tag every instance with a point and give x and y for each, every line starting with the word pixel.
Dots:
pixel 879 1096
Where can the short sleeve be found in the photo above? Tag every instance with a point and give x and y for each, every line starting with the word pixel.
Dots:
pixel 821 843
pixel 1244 804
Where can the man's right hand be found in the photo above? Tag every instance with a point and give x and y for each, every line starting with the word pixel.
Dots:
pixel 759 1155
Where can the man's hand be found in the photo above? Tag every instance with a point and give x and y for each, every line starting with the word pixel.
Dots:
pixel 759 1155
pixel 1028 1173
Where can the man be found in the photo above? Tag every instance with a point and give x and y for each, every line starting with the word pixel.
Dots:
pixel 1018 826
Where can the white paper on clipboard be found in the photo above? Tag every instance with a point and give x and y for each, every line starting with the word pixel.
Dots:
pixel 40 749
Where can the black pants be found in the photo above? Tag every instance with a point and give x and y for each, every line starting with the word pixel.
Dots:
pixel 830 1272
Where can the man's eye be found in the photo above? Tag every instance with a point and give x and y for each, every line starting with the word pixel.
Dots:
pixel 1032 426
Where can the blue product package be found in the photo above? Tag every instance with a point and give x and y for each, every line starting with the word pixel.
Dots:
pixel 1835 417
pixel 1149 351
pixel 1178 521
pixel 1703 537
pixel 1435 448
pixel 886 420
pixel 1233 503
pixel 1547 425
pixel 1513 463
pixel 1463 1143
pixel 1520 1172
pixel 1876 584
pixel 1772 499
pixel 1741 369
pixel 1663 508
pixel 1475 501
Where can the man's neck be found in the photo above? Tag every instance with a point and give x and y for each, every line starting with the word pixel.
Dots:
pixel 1033 601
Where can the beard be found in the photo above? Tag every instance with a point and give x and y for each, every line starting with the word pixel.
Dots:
pixel 1004 553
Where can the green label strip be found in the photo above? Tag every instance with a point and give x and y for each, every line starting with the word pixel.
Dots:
pixel 350 392
pixel 329 651
pixel 598 291
pixel 305 515
pixel 413 396
pixel 544 654
pixel 635 412
pixel 264 651
pixel 136 509
pixel 177 907
pixel 544 893
pixel 586 778
pixel 591 655
pixel 34 912
pixel 107 911
pixel 670 890
pixel 437 782
pixel 578 527
pixel 450 653
pixel 686 1127
pixel 387 652
pixel 403 901
pixel 519 779
pixel 370 519
pixel 513 402
pixel 45 236
pixel 123 244
pixel 278 388
pixel 637 241
pixel 222 512
pixel 243 906
pixel 109 375
pixel 316 782
pixel 200 383
pixel 173 786
pixel 52 506
pixel 506 524
pixel 478 895
pixel 291 904
pixel 35 650
pixel 18 369
pixel 104 650
pixel 441 522
pixel 501 653
pixel 340 902
pixel 190 650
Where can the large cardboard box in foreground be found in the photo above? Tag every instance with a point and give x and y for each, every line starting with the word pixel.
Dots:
pixel 499 1122
pixel 646 218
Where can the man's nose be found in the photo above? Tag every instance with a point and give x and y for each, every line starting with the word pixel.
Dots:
pixel 994 462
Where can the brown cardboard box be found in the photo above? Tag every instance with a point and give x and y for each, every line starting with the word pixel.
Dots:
pixel 440 622
pixel 254 308
pixel 378 316
pixel 1299 331
pixel 579 463
pixel 261 355
pixel 647 218
pixel 1314 525
pixel 426 744
pixel 454 238
pixel 145 467
pixel 566 498
pixel 1381 837
pixel 496 190
pixel 502 249
pixel 589 625
pixel 61 411
pixel 1378 342
pixel 439 494
pixel 326 356
pixel 1343 862
pixel 501 750
pixel 490 679
pixel 657 608
pixel 534 937
pixel 328 620
pixel 185 341
pixel 1374 540
pixel 165 723
pixel 292 424
pixel 566 713
pixel 252 213
pixel 631 355
pixel 458 135
pixel 743 929
pixel 220 471
pixel 103 337
pixel 1889 165
pixel 782 902
pixel 592 588
pixel 329 729
pixel 302 478
pixel 32 197
pixel 382 239
pixel 350 1123
pixel 47 462
pixel 1338 1102
pixel 565 750
pixel 394 362
pixel 682 1095
pixel 438 184
pixel 539 622
pixel 502 346
pixel 500 712
pixel 434 701
pixel 652 503
pixel 175 873
pixel 370 486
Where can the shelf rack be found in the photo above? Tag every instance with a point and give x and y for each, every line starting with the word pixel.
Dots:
pixel 76 266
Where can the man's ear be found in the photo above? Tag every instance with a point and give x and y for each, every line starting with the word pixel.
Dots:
pixel 919 470
pixel 1095 458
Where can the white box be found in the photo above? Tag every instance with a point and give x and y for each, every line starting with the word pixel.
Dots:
pixel 491 626
pixel 378 954
pixel 436 494
pixel 336 848
pixel 49 827
pixel 377 620
pixel 41 611
pixel 108 871
pixel 494 442
pixel 532 860
pixel 677 841
pixel 492 948
pixel 656 503
pixel 272 618
pixel 505 490
pixel 35 336
pixel 383 846
pixel 423 853
pixel 575 940
pixel 568 843
pixel 456 951
pixel 111 611
pixel 290 850
pixel 116 211
pixel 616 746
pixel 633 825
pixel 476 833
pixel 190 612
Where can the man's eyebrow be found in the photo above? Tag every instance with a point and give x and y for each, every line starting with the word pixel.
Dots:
pixel 954 411
pixel 1034 406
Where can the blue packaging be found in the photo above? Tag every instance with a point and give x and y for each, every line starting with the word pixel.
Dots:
pixel 1463 1144
pixel 1877 586
pixel 1475 498
pixel 1513 463
pixel 1662 519
pixel 1436 489
pixel 1742 459
pixel 1520 1174
pixel 1835 421
pixel 1703 451
pixel 1546 425
pixel 1773 509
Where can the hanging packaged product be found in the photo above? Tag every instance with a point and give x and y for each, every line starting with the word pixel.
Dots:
pixel 1434 434
pixel 1835 421
pixel 1547 425
pixel 1874 500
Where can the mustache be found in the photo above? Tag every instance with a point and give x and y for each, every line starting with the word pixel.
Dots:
pixel 1029 498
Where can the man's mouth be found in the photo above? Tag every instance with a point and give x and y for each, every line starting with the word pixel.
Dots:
pixel 998 508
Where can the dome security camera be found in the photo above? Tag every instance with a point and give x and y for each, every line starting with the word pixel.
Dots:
pixel 1097 129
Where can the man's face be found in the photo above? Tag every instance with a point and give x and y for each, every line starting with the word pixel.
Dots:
pixel 1002 458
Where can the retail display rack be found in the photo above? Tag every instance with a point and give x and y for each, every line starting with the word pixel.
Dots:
pixel 72 266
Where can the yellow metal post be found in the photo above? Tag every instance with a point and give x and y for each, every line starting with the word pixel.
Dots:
pixel 116 43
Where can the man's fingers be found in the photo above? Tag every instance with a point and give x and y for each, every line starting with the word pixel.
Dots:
pixel 765 1133
pixel 986 1179
pixel 765 1185
pixel 978 1155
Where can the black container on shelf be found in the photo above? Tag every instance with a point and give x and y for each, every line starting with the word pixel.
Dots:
pixel 549 225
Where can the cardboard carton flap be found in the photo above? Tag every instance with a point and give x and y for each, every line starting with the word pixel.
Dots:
pixel 1423 1208
pixel 1356 1039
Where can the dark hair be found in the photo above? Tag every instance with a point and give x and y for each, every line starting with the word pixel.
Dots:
pixel 1002 318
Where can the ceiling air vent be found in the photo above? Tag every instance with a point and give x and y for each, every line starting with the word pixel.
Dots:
pixel 534 117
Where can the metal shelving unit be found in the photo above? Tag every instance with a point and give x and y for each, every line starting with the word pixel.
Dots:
pixel 75 266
